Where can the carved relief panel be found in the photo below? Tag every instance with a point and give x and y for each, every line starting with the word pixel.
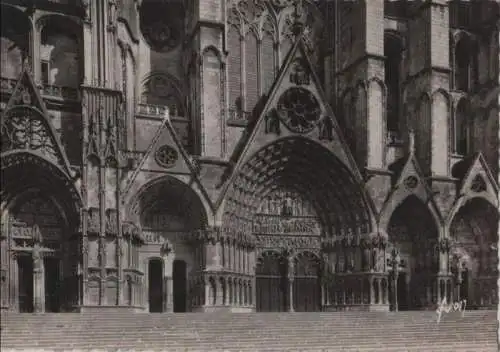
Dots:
pixel 286 220
pixel 36 221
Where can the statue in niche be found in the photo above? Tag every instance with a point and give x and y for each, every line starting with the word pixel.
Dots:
pixel 272 122
pixel 287 206
pixel 299 74
pixel 326 128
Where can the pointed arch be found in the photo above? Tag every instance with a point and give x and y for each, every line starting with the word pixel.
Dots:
pixel 269 54
pixel 402 191
pixel 60 50
pixel 251 68
pixel 14 41
pixel 422 127
pixel 213 50
pixel 234 63
pixel 189 202
pixel 393 49
pixel 461 125
pixel 23 172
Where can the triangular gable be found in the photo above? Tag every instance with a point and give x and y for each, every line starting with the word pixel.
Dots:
pixel 165 154
pixel 409 181
pixel 478 178
pixel 32 131
pixel 297 71
pixel 26 93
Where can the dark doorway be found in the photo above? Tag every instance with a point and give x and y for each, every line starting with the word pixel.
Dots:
pixel 25 277
pixel 179 277
pixel 306 284
pixel 52 284
pixel 155 280
pixel 464 286
pixel 402 291
pixel 272 284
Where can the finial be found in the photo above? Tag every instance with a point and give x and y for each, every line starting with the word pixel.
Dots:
pixel 298 24
pixel 411 141
pixel 27 63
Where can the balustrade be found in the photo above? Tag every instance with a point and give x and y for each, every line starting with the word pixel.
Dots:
pixel 236 116
pixel 394 138
pixel 61 92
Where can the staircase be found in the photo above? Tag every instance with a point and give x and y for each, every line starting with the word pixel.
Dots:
pixel 336 331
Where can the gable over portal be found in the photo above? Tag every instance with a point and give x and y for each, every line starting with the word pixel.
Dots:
pixel 26 128
pixel 296 107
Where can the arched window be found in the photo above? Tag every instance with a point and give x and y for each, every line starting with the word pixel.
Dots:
pixel 393 47
pixel 234 45
pixel 160 90
pixel 251 71
pixel 59 54
pixel 268 53
pixel 14 42
pixel 463 65
pixel 462 128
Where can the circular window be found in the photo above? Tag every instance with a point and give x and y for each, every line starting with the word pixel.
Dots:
pixel 166 156
pixel 162 24
pixel 299 109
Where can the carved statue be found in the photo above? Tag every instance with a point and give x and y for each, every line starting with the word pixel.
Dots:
pixel 87 8
pixel 272 122
pixel 299 74
pixel 326 128
pixel 112 16
pixel 411 143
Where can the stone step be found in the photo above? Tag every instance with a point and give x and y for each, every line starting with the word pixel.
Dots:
pixel 409 331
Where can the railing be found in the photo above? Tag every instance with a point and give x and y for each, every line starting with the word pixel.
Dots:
pixel 153 110
pixel 394 138
pixel 60 92
pixel 7 85
pixel 239 117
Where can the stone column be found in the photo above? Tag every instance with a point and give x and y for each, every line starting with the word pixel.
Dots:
pixel 291 270
pixel 168 294
pixel 381 293
pixel 227 297
pixel 38 281
pixel 208 301
pixel 14 279
pixel 372 295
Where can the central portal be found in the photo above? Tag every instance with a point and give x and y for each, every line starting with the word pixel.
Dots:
pixel 288 270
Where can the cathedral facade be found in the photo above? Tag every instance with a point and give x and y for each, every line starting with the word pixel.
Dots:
pixel 248 155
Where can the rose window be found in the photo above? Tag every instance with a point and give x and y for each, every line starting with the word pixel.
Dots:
pixel 166 156
pixel 162 24
pixel 299 110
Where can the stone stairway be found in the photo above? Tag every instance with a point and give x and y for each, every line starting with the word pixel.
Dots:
pixel 336 331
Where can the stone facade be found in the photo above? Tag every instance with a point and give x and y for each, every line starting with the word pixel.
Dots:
pixel 248 155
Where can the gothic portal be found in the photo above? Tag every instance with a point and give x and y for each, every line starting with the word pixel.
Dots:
pixel 248 155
